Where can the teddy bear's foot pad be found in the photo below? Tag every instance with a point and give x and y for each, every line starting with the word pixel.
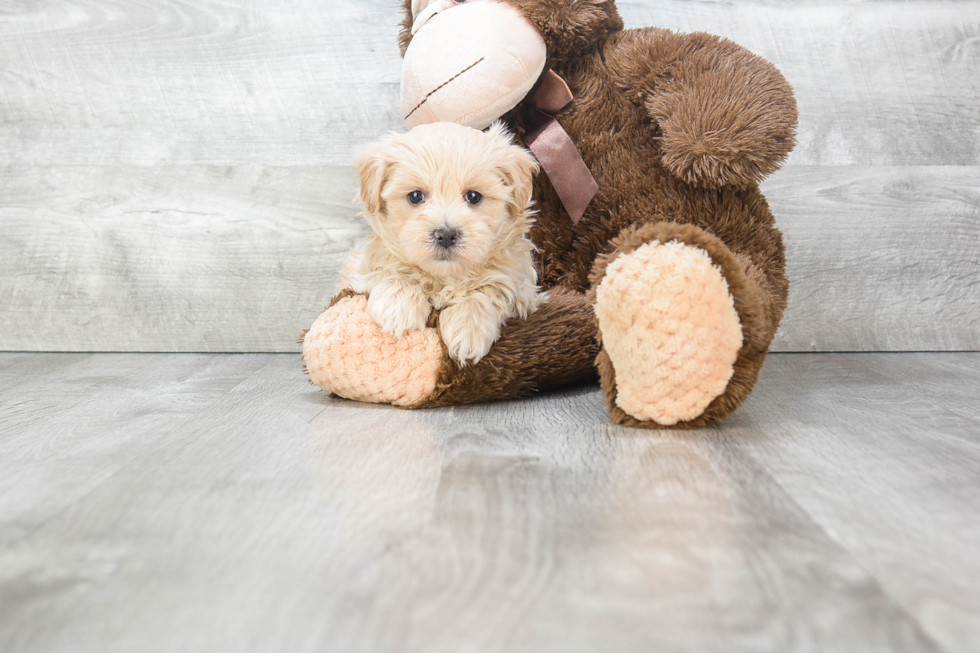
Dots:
pixel 670 329
pixel 347 353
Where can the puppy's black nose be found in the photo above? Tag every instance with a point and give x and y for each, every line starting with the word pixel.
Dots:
pixel 446 237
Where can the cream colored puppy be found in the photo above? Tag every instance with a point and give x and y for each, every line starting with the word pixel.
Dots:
pixel 449 206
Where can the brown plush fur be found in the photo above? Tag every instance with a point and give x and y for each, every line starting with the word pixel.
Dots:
pixel 678 130
pixel 525 359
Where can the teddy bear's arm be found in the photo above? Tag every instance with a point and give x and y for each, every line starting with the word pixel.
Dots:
pixel 347 354
pixel 553 347
pixel 726 115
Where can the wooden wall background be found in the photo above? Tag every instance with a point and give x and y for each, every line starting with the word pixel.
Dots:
pixel 174 174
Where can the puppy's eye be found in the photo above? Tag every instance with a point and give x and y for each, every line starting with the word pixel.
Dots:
pixel 473 197
pixel 416 197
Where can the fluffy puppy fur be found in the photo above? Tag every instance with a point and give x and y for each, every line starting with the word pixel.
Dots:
pixel 450 210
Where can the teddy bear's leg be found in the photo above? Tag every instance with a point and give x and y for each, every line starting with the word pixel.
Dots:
pixel 684 326
pixel 347 354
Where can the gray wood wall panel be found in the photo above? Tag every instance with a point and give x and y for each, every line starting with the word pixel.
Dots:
pixel 175 176
pixel 881 258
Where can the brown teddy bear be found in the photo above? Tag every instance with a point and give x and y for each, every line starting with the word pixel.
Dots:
pixel 666 277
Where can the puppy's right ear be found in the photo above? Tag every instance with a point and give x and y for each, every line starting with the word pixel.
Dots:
pixel 518 168
pixel 372 172
pixel 520 171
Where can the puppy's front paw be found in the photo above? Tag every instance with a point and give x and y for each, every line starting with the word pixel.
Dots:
pixel 398 308
pixel 469 331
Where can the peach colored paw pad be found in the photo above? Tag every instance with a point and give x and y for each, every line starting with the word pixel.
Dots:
pixel 670 328
pixel 347 353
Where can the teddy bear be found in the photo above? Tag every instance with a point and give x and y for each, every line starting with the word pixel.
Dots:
pixel 664 269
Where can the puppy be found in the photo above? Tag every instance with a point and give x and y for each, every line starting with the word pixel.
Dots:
pixel 449 206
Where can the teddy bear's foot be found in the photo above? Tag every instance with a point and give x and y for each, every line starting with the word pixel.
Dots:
pixel 346 353
pixel 682 326
pixel 670 329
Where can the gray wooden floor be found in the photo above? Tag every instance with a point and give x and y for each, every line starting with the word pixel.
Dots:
pixel 219 503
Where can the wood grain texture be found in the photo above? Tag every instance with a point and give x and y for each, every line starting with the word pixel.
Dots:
pixel 172 259
pixel 880 258
pixel 200 503
pixel 896 484
pixel 71 431
pixel 176 177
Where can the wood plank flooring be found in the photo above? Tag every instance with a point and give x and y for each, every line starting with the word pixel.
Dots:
pixel 177 176
pixel 204 502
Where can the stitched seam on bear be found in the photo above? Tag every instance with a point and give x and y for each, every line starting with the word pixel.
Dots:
pixel 448 81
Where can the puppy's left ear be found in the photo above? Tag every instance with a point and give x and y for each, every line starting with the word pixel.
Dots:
pixel 372 172
pixel 518 169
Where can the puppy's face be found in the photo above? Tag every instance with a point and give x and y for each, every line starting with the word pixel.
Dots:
pixel 444 197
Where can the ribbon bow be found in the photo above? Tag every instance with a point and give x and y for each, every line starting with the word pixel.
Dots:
pixel 555 149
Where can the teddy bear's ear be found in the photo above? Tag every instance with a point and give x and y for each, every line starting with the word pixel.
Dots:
pixel 372 172
pixel 518 168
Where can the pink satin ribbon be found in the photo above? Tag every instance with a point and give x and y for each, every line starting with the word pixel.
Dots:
pixel 555 149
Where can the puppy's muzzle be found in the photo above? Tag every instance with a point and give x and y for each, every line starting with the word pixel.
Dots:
pixel 446 237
